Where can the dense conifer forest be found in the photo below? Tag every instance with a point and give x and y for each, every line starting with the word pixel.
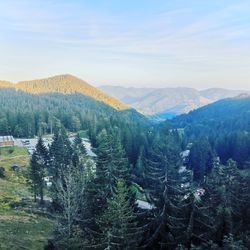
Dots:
pixel 198 200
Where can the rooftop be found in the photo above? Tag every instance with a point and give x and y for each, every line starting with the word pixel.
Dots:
pixel 6 138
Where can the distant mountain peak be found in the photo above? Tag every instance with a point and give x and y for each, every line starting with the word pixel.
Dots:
pixel 65 84
pixel 242 96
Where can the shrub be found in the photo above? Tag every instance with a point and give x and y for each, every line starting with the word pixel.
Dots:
pixel 2 172
pixel 10 151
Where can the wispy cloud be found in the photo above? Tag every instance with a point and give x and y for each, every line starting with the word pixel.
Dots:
pixel 163 42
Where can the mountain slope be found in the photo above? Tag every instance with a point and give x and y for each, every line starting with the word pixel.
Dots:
pixel 25 115
pixel 227 114
pixel 65 84
pixel 224 126
pixel 215 94
pixel 5 84
pixel 165 101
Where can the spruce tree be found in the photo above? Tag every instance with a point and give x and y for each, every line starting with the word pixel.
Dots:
pixel 38 167
pixel 118 222
pixel 111 165
pixel 60 152
pixel 164 194
pixel 79 150
pixel 60 159
pixel 201 158
pixel 229 196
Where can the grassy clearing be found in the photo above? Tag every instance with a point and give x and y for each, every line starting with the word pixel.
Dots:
pixel 12 192
pixel 19 229
pixel 10 156
pixel 13 151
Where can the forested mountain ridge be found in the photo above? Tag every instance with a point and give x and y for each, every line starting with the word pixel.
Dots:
pixel 217 131
pixel 5 84
pixel 222 111
pixel 65 84
pixel 198 204
pixel 25 115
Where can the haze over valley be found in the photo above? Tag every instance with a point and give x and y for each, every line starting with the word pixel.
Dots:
pixel 125 125
pixel 167 102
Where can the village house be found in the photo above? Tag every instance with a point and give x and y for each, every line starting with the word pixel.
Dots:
pixel 7 141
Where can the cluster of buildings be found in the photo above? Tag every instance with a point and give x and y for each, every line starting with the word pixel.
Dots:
pixel 7 141
pixel 30 144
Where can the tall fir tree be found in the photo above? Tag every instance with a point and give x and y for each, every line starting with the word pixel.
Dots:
pixel 79 150
pixel 38 165
pixel 118 222
pixel 164 194
pixel 111 165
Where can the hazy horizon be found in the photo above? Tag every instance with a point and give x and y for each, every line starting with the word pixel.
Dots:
pixel 98 85
pixel 132 44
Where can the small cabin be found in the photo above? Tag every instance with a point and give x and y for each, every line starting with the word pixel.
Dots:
pixel 7 141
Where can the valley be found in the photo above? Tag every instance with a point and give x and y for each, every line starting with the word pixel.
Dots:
pixel 124 125
pixel 165 103
pixel 78 165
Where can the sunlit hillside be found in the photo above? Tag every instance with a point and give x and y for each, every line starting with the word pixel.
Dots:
pixel 5 84
pixel 66 84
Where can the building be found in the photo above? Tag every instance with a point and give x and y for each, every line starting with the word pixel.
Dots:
pixel 7 141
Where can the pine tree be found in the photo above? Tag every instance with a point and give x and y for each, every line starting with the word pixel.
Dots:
pixel 120 165
pixel 201 158
pixel 118 222
pixel 70 194
pixel 60 152
pixel 111 165
pixel 79 150
pixel 70 188
pixel 140 167
pixel 229 195
pixel 164 193
pixel 4 128
pixel 38 167
pixel 60 160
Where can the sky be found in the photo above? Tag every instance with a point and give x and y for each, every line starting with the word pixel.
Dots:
pixel 140 43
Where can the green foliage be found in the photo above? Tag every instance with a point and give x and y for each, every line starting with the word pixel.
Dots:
pixel 111 166
pixel 201 158
pixel 118 222
pixel 2 172
pixel 225 124
pixel 204 205
pixel 17 156
pixel 20 230
pixel 26 115
pixel 37 171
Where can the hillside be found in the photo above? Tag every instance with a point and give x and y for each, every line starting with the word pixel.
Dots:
pixel 23 225
pixel 165 102
pixel 25 115
pixel 5 84
pixel 224 126
pixel 215 94
pixel 65 84
pixel 230 110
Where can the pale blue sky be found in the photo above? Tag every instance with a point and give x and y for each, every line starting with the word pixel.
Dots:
pixel 151 43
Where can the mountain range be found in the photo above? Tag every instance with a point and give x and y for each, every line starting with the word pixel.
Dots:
pixel 65 84
pixel 167 102
pixel 159 103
